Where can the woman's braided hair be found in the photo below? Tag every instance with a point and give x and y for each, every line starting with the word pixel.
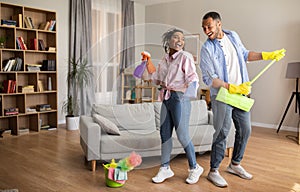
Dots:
pixel 166 38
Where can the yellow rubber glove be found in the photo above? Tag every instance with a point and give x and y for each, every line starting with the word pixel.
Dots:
pixel 277 55
pixel 244 88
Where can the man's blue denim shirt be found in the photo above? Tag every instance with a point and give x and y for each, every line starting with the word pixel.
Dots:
pixel 213 64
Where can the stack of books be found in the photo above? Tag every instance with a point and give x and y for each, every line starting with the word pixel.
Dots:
pixel 33 67
pixel 26 89
pixel 43 107
pixel 8 22
pixel 11 111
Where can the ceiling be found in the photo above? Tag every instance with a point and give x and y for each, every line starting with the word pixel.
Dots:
pixel 152 2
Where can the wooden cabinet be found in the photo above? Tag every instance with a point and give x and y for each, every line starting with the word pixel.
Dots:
pixel 28 72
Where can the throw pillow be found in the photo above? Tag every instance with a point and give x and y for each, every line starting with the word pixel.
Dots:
pixel 106 125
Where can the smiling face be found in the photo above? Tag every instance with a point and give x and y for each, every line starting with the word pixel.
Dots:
pixel 212 28
pixel 177 41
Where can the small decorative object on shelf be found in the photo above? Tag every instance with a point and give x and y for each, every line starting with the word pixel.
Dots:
pixel 116 173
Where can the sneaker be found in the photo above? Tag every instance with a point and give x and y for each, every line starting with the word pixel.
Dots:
pixel 194 175
pixel 216 179
pixel 239 170
pixel 163 174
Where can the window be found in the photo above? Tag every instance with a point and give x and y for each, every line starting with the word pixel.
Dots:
pixel 106 38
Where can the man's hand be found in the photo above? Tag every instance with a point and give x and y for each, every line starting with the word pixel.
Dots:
pixel 244 88
pixel 277 55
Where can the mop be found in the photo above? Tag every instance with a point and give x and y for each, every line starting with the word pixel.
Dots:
pixel 238 100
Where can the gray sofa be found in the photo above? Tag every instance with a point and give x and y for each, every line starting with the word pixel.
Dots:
pixel 138 126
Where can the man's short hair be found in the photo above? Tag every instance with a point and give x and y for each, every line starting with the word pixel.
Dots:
pixel 213 15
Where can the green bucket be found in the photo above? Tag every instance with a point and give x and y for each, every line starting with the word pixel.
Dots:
pixel 235 100
pixel 109 182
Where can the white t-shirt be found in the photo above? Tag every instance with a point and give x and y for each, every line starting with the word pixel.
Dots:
pixel 232 61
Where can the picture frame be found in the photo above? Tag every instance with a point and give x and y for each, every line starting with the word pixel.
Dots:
pixel 192 45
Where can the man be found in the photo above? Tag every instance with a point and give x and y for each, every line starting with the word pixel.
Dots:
pixel 223 64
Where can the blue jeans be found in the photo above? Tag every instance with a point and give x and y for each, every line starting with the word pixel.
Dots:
pixel 223 114
pixel 175 112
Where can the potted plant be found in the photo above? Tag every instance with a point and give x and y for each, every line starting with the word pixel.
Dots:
pixel 2 41
pixel 79 76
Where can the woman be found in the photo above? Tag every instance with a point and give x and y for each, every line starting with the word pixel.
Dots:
pixel 175 73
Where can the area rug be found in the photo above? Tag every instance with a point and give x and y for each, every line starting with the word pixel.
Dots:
pixel 9 190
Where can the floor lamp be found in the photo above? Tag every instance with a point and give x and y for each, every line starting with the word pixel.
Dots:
pixel 292 72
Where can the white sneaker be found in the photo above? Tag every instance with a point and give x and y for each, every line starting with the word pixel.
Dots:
pixel 194 175
pixel 163 174
pixel 217 179
pixel 239 171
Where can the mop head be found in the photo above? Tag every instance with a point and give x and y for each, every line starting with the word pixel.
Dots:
pixel 235 100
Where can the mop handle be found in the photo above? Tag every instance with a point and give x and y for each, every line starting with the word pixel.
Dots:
pixel 262 71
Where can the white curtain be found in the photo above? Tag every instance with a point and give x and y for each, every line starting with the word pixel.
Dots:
pixel 106 46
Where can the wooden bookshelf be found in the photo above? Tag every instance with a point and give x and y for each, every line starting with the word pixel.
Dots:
pixel 27 73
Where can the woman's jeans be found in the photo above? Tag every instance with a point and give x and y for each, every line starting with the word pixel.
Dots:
pixel 222 116
pixel 175 112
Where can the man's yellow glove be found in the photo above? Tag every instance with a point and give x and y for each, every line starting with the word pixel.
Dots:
pixel 244 88
pixel 277 55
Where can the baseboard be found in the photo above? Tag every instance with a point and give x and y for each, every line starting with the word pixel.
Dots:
pixel 62 121
pixel 272 126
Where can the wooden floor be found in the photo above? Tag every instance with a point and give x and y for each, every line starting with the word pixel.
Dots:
pixel 54 161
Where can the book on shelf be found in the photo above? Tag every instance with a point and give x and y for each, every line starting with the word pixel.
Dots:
pixel 41 45
pixel 13 64
pixel 33 67
pixel 49 65
pixel 44 26
pixel 20 43
pixel 28 22
pixel 9 86
pixel 30 110
pixel 45 126
pixel 23 131
pixel 52 25
pixel 18 19
pixel 11 111
pixel 51 49
pixel 43 107
pixel 41 86
pixel 26 89
pixel 8 22
pixel 34 45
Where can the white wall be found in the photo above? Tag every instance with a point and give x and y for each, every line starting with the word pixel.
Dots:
pixel 62 14
pixel 263 26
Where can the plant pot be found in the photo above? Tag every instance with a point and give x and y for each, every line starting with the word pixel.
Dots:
pixel 72 123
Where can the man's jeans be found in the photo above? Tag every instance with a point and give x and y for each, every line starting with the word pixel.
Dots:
pixel 222 116
pixel 175 112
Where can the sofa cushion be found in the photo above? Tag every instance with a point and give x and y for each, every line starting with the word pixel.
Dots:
pixel 130 141
pixel 157 106
pixel 199 113
pixel 106 125
pixel 132 117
